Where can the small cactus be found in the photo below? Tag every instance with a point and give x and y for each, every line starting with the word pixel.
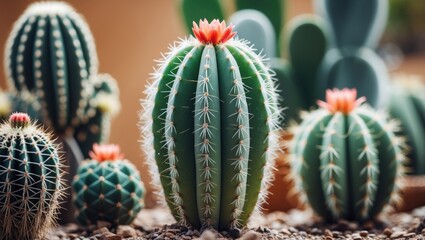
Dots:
pixel 31 180
pixel 107 188
pixel 50 53
pixel 209 122
pixel 107 104
pixel 346 158
pixel 407 104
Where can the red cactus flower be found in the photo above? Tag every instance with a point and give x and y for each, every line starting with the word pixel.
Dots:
pixel 344 100
pixel 19 119
pixel 215 32
pixel 106 152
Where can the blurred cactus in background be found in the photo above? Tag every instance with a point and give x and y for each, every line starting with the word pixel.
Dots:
pixel 273 10
pixel 31 180
pixel 51 54
pixel 107 105
pixel 407 104
pixel 357 26
pixel 209 121
pixel 52 71
pixel 107 188
pixel 346 158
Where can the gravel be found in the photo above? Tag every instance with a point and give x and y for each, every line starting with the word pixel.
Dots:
pixel 158 224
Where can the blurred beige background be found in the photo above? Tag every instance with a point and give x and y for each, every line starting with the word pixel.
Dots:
pixel 129 35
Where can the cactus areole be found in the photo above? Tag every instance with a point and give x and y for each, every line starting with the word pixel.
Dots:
pixel 346 158
pixel 209 128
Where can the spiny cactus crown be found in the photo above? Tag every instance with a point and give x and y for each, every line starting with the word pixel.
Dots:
pixel 344 100
pixel 106 152
pixel 214 33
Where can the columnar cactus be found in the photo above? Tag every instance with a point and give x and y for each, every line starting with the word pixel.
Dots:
pixel 31 182
pixel 407 104
pixel 209 128
pixel 107 104
pixel 346 158
pixel 356 26
pixel 51 54
pixel 107 188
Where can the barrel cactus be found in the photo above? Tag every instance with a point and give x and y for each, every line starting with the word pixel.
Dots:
pixel 51 54
pixel 407 103
pixel 31 182
pixel 347 159
pixel 107 188
pixel 209 128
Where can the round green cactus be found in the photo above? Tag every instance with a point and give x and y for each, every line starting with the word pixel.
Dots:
pixel 31 182
pixel 407 104
pixel 51 54
pixel 346 158
pixel 107 188
pixel 209 122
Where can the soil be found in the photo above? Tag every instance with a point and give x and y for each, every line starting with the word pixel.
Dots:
pixel 296 224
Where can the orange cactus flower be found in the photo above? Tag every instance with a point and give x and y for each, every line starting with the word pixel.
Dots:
pixel 344 100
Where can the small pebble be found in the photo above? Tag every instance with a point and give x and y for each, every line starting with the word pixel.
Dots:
pixel 126 231
pixel 364 233
pixel 285 231
pixel 235 232
pixel 356 236
pixel 208 235
pixel 328 233
pixel 397 234
pixel 387 232
pixel 251 235
pixel 101 230
pixel 110 236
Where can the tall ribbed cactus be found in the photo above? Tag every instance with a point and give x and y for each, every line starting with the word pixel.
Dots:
pixel 407 104
pixel 351 62
pixel 107 104
pixel 346 158
pixel 51 54
pixel 31 182
pixel 107 188
pixel 209 128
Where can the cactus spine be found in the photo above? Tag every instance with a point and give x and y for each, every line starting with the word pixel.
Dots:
pixel 107 188
pixel 51 54
pixel 31 183
pixel 225 129
pixel 347 158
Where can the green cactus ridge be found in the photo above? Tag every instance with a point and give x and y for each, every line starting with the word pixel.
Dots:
pixel 356 169
pixel 108 191
pixel 31 181
pixel 407 104
pixel 51 54
pixel 198 121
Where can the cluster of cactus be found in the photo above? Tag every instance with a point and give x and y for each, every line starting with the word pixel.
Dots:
pixel 50 59
pixel 31 180
pixel 407 104
pixel 107 188
pixel 356 26
pixel 346 158
pixel 209 128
